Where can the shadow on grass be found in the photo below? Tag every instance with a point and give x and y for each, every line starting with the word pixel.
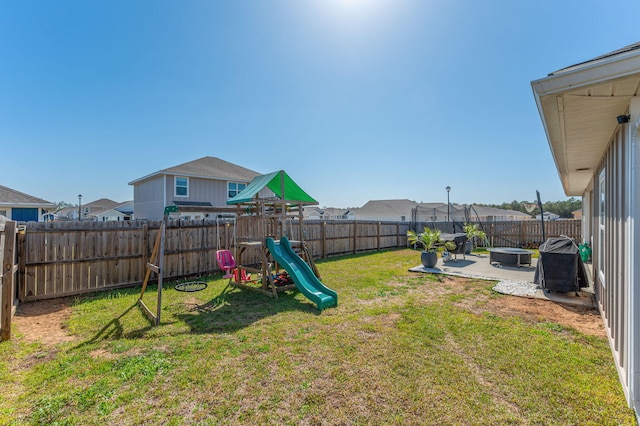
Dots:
pixel 234 309
pixel 231 310
pixel 112 330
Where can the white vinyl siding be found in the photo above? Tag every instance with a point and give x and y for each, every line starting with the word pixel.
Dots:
pixel 611 233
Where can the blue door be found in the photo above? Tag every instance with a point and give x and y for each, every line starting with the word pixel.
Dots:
pixel 24 215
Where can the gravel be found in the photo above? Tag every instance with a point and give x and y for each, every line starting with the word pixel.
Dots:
pixel 516 288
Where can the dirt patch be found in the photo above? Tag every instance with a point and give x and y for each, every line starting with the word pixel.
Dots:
pixel 44 321
pixel 103 354
pixel 585 320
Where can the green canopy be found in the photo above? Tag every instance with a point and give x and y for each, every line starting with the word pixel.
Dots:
pixel 280 183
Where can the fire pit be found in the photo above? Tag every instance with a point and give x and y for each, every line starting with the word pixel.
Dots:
pixel 510 256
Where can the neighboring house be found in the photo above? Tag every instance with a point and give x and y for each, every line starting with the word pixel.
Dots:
pixel 327 213
pixel 65 213
pixel 86 211
pixel 438 212
pixel 200 184
pixel 411 211
pixel 122 211
pixel 548 216
pixel 22 207
pixel 591 116
pixel 385 210
pixel 494 214
pixel 50 216
pixel 577 214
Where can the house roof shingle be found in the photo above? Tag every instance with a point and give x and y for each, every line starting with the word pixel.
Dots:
pixel 10 197
pixel 626 49
pixel 385 206
pixel 206 167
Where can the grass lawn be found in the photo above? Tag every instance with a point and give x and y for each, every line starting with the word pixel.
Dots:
pixel 401 348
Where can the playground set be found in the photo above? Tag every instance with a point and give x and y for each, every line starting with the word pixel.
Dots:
pixel 268 210
pixel 267 259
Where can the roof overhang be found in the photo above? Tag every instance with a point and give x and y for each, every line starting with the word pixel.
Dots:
pixel 578 106
pixel 28 205
pixel 189 175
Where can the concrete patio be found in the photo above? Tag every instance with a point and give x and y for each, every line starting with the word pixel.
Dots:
pixel 513 280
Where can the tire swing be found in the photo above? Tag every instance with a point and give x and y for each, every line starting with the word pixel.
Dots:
pixel 191 286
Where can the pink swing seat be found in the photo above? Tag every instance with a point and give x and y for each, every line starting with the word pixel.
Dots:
pixel 226 262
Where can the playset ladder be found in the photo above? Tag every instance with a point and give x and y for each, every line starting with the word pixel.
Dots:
pixel 156 265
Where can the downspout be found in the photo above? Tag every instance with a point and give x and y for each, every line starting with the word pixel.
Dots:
pixel 633 273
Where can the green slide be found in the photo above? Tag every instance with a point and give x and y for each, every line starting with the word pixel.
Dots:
pixel 302 275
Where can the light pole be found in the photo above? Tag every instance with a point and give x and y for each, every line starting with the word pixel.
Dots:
pixel 79 206
pixel 448 188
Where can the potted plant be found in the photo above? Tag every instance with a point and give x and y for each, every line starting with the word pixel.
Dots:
pixel 431 242
pixel 473 233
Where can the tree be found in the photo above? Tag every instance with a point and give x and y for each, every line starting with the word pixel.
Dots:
pixel 62 204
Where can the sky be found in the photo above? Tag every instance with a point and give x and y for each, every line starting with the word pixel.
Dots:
pixel 356 100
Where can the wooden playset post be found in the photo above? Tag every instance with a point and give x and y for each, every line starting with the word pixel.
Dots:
pixel 156 265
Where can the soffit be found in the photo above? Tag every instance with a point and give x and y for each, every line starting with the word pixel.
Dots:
pixel 580 123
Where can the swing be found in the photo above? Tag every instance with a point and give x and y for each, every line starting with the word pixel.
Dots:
pixel 226 262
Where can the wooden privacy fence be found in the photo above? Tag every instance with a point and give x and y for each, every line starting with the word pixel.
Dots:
pixel 8 271
pixel 528 233
pixel 522 234
pixel 68 258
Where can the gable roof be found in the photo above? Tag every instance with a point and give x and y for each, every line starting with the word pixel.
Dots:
pixel 11 197
pixel 125 208
pixel 280 183
pixel 102 203
pixel 206 168
pixel 495 211
pixel 383 207
pixel 578 106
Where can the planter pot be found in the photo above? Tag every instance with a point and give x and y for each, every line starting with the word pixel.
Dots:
pixel 468 247
pixel 429 259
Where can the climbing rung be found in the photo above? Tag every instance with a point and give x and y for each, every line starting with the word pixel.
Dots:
pixel 153 267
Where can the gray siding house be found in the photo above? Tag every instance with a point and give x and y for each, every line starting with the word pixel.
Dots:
pixel 22 207
pixel 385 210
pixel 591 116
pixel 207 182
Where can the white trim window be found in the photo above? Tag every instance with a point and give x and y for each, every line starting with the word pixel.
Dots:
pixel 234 188
pixel 601 226
pixel 181 186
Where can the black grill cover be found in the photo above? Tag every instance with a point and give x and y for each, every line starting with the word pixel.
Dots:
pixel 560 266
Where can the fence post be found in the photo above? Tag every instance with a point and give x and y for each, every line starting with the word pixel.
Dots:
pixel 145 245
pixel 378 236
pixel 22 265
pixel 323 232
pixel 397 235
pixel 8 273
pixel 355 236
pixel 493 234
